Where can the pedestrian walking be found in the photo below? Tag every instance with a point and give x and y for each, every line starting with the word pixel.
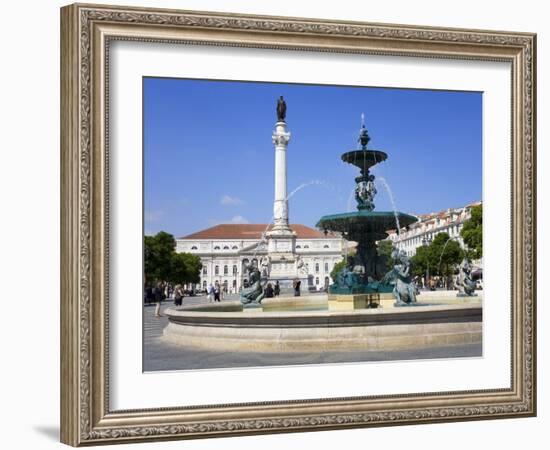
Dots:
pixel 158 292
pixel 217 292
pixel 277 289
pixel 296 286
pixel 178 295
pixel 210 293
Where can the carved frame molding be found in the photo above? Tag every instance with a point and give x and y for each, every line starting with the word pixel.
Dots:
pixel 86 31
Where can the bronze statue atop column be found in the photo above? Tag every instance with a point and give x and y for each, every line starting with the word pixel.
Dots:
pixel 281 109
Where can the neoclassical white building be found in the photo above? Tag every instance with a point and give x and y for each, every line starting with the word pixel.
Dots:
pixel 422 232
pixel 225 250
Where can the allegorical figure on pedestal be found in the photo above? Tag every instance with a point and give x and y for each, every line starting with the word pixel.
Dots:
pixel 281 109
pixel 253 294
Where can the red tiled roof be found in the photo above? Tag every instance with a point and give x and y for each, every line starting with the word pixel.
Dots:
pixel 250 231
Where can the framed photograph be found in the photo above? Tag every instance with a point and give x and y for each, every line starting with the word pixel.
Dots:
pixel 276 224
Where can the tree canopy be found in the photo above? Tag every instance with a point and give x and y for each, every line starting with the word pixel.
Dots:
pixel 162 263
pixel 337 268
pixel 384 249
pixel 472 232
pixel 439 258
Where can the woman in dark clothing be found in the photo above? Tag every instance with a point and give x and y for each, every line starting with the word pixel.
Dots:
pixel 157 292
pixel 277 289
pixel 268 291
pixel 297 284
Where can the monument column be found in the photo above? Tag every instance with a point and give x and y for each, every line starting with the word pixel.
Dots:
pixel 281 137
pixel 285 266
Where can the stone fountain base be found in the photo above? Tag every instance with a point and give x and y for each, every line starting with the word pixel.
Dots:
pixel 300 325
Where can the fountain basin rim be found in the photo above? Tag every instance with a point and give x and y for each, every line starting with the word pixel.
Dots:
pixel 364 159
pixel 325 317
pixel 366 217
pixel 364 213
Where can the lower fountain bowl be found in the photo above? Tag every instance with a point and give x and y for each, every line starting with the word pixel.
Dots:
pixel 306 324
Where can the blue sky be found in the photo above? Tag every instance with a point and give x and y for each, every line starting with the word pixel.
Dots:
pixel 209 158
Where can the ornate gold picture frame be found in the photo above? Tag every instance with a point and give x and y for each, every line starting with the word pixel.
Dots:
pixel 87 32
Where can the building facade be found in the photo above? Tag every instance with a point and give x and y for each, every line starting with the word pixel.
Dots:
pixel 422 232
pixel 226 250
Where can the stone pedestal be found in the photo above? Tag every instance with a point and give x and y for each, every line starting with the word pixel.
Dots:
pixel 348 302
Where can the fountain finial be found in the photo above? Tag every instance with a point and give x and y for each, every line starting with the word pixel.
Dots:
pixel 363 134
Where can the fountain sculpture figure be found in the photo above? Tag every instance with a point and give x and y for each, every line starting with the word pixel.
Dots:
pixel 365 227
pixel 252 295
pixel 465 284
pixel 401 278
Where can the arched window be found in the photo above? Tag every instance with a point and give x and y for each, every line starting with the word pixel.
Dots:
pixel 317 281
pixel 326 267
pixel 217 270
pixel 204 270
pixel 327 282
pixel 217 247
pixel 306 246
pixel 326 246
pixel 235 247
pixel 194 247
pixel 317 269
pixel 225 270
pixel 298 246
pixel 204 284
pixel 234 270
pixel 226 247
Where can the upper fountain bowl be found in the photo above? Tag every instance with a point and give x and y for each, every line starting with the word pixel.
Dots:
pixel 364 159
pixel 360 225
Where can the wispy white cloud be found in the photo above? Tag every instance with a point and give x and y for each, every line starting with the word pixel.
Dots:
pixel 153 216
pixel 235 219
pixel 238 219
pixel 227 200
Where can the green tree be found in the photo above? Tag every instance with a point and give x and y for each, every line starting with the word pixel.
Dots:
pixel 439 258
pixel 421 261
pixel 384 249
pixel 444 254
pixel 191 268
pixel 337 268
pixel 162 263
pixel 178 272
pixel 158 251
pixel 472 233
